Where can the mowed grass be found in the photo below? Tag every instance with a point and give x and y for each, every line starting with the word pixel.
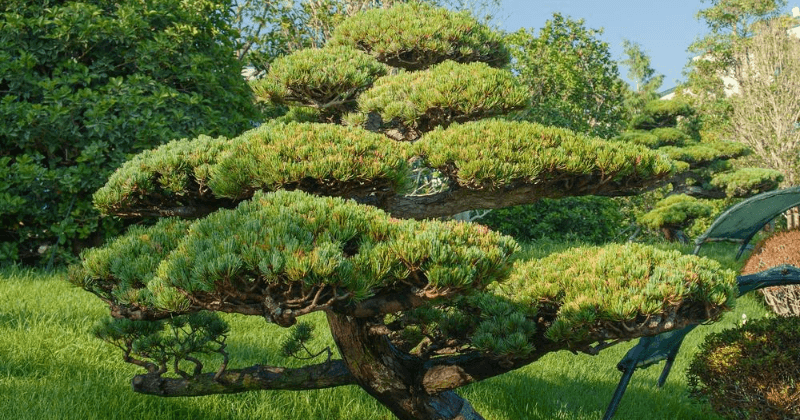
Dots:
pixel 52 368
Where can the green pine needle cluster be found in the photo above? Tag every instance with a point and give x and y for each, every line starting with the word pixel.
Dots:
pixel 285 155
pixel 270 157
pixel 640 137
pixel 701 153
pixel 166 344
pixel 123 271
pixel 747 181
pixel 661 113
pixel 416 35
pixel 295 345
pixel 670 136
pixel 295 238
pixel 574 297
pixel 444 93
pixel 675 211
pixel 586 289
pixel 504 328
pixel 175 172
pixel 496 153
pixel 322 77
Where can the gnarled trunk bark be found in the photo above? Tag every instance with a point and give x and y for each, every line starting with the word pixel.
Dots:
pixel 392 377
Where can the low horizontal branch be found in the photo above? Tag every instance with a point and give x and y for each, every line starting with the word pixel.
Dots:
pixel 324 375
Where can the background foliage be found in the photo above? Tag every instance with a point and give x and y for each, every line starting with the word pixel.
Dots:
pixel 87 84
pixel 589 219
pixel 573 81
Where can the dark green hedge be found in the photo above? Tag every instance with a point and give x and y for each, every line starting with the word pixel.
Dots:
pixel 751 372
pixel 587 219
pixel 86 85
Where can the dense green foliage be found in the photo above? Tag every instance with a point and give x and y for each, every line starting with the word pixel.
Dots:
pixel 344 158
pixel 85 84
pixel 292 238
pixel 586 284
pixel 589 219
pixel 414 103
pixel 661 113
pixel 494 153
pixel 571 78
pixel 751 372
pixel 574 296
pixel 747 181
pixel 398 38
pixel 706 173
pixel 271 29
pixel 347 72
pixel 270 157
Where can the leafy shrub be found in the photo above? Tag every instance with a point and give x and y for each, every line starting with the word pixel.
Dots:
pixel 751 372
pixel 87 84
pixel 587 219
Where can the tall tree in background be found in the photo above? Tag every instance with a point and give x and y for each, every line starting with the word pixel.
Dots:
pixel 290 219
pixel 766 110
pixel 573 81
pixel 715 64
pixel 641 73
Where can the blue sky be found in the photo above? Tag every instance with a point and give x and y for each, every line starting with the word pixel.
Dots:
pixel 664 28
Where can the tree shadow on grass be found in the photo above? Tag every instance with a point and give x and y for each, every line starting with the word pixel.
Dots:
pixel 566 386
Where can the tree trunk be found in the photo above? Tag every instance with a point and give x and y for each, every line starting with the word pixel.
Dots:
pixel 392 377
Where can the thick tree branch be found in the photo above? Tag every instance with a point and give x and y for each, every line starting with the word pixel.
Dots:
pixel 447 203
pixel 325 375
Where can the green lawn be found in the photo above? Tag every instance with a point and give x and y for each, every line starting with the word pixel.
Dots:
pixel 51 368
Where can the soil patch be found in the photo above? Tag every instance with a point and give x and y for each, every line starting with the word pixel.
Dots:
pixel 778 249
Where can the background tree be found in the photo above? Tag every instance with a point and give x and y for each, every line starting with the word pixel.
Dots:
pixel 712 72
pixel 572 80
pixel 766 110
pixel 417 308
pixel 645 80
pixel 573 83
pixel 86 84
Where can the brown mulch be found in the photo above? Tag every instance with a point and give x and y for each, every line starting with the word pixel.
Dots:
pixel 781 248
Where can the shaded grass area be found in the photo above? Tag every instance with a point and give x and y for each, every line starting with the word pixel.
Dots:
pixel 52 368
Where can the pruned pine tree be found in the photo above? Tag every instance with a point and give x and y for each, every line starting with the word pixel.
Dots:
pixel 704 172
pixel 294 218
